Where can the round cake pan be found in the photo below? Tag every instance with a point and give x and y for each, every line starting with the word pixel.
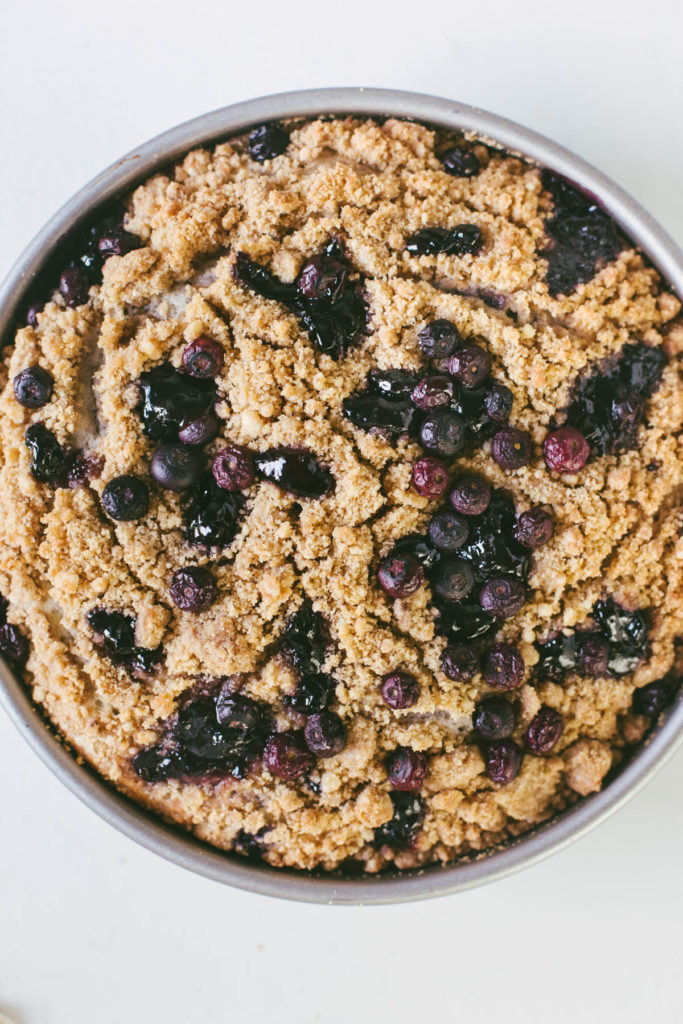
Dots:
pixel 150 830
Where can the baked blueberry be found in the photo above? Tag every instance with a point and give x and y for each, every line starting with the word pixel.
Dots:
pixel 286 755
pixel 170 401
pixel 295 471
pixel 49 461
pixel 494 718
pixel 74 284
pixel 402 828
pixel 592 655
pixel 323 277
pixel 498 403
pixel 400 575
pixel 443 432
pixel 653 698
pixel 453 579
pixel 175 467
pixel 193 589
pixel 460 662
pixel 14 646
pixel 200 431
pixel 429 477
pixel 211 515
pixel 544 730
pixel 115 634
pixel 406 769
pixel 471 495
pixel 470 365
pixel 461 162
pixel 465 239
pixel 203 358
pixel 267 141
pixel 511 448
pixel 447 530
pixel 502 597
pixel 325 734
pixel 439 339
pixel 125 498
pixel 233 468
pixel 534 527
pixel 400 690
pixel 566 450
pixel 503 667
pixel 33 387
pixel 503 760
pixel 432 392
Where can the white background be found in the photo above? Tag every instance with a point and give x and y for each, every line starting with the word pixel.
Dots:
pixel 94 930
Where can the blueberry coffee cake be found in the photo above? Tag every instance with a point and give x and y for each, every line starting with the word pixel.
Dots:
pixel 339 494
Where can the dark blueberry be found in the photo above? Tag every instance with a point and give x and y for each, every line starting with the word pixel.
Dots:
pixel 33 387
pixel 453 579
pixel 609 403
pixel 503 760
pixel 494 718
pixel 429 477
pixel 491 546
pixel 125 498
pixel 653 698
pixel 175 467
pixel 457 241
pixel 49 461
pixel 627 634
pixel 325 734
pixel 115 633
pixel 400 690
pixel 439 339
pixel 583 239
pixel 402 828
pixel 32 315
pixel 503 667
pixel 295 471
pixel 592 654
pixel 432 392
pixel 203 358
pixel 395 384
pixel 155 764
pixel 248 845
pixel 372 412
pixel 305 639
pixel 171 401
pixel 460 662
pixel 212 514
pixel 14 646
pixel 498 403
pixel 416 544
pixel 502 597
pixel 471 495
pixel 243 722
pixel 193 589
pixel 544 730
pixel 199 731
pixel 322 277
pixel 447 530
pixel 286 755
pixel 557 656
pixel 511 448
pixel 470 365
pixel 313 693
pixel 400 575
pixel 443 432
pixel 200 431
pixel 74 284
pixel 406 769
pixel 116 241
pixel 82 468
pixel 534 527
pixel 470 403
pixel 460 162
pixel 267 141
pixel 566 450
pixel 233 468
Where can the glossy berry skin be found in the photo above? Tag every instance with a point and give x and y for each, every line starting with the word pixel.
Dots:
pixel 116 241
pixel 14 646
pixel 439 339
pixel 193 589
pixel 406 769
pixel 503 667
pixel 460 662
pixel 503 760
pixel 175 467
pixel 443 433
pixel 171 400
pixel 460 162
pixel 115 634
pixel 297 472
pixel 447 530
pixel 400 575
pixel 286 755
pixel 511 448
pixel 471 495
pixel 498 403
pixel 432 392
pixel 74 284
pixel 200 431
pixel 494 718
pixel 429 477
pixel 233 468
pixel 325 734
pixel 125 498
pixel 566 450
pixel 458 241
pixel 267 141
pixel 203 358
pixel 33 387
pixel 454 579
pixel 592 655
pixel 211 515
pixel 653 698
pixel 400 690
pixel 402 828
pixel 544 730
pixel 323 278
pixel 534 527
pixel 502 597
pixel 470 365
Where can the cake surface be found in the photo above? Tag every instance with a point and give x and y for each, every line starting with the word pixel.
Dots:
pixel 340 495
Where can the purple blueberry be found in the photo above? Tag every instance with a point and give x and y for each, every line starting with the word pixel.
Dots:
pixel 400 690
pixel 653 698
pixel 535 527
pixel 74 285
pixel 432 392
pixel 461 162
pixel 494 718
pixel 461 240
pixel 267 141
pixel 511 448
pixel 125 498
pixel 544 731
pixel 429 477
pixel 447 530
pixel 503 667
pixel 460 662
pixel 286 755
pixel 33 387
pixel 200 431
pixel 295 471
pixel 453 580
pixel 406 769
pixel 116 241
pixel 503 760
pixel 175 467
pixel 502 597
pixel 203 358
pixel 14 646
pixel 498 403
pixel 439 339
pixel 443 432
pixel 566 450
pixel 470 365
pixel 211 515
pixel 592 655
pixel 233 468
pixel 193 589
pixel 471 495
pixel 325 734
pixel 400 575
pixel 323 278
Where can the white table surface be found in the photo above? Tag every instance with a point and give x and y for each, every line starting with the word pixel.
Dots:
pixel 93 929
